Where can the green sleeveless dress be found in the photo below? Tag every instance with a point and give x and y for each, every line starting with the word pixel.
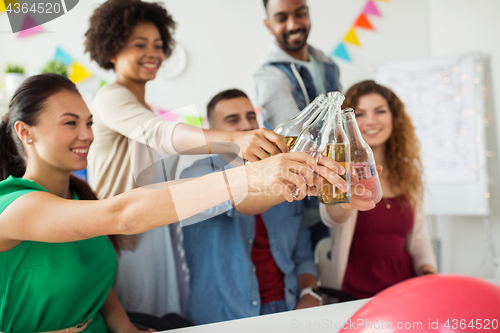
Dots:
pixel 47 287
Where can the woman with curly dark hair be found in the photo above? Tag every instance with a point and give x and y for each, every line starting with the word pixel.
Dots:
pixel 133 38
pixel 376 246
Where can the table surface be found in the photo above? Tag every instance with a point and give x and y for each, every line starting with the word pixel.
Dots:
pixel 327 318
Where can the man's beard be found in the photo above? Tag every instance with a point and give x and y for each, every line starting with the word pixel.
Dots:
pixel 284 43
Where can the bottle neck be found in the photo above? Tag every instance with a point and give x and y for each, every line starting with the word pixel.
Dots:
pixel 352 127
pixel 311 112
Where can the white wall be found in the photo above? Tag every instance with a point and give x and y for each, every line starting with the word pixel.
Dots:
pixel 457 27
pixel 225 40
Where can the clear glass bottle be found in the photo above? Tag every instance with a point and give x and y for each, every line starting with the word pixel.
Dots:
pixel 315 138
pixel 290 129
pixel 337 148
pixel 364 170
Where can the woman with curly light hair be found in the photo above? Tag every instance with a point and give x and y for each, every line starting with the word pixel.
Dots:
pixel 377 245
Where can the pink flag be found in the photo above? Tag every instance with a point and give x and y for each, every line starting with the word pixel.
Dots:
pixel 30 27
pixel 371 9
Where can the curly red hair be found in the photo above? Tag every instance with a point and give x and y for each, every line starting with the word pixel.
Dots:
pixel 402 153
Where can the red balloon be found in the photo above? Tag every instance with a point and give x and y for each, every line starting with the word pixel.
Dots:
pixel 432 303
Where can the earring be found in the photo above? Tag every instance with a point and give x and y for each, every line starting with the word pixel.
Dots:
pixel 30 141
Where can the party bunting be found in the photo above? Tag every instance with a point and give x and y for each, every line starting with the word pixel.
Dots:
pixel 79 73
pixel 362 22
pixel 2 6
pixel 341 52
pixel 63 57
pixel 352 38
pixel 371 9
pixel 194 120
pixel 29 27
pixel 102 83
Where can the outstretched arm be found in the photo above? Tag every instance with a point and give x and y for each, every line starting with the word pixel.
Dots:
pixel 43 217
pixel 251 145
pixel 328 168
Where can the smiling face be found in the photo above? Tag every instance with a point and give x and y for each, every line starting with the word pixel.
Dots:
pixel 288 21
pixel 374 119
pixel 62 135
pixel 235 114
pixel 142 54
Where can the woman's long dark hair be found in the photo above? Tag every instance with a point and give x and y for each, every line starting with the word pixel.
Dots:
pixel 26 105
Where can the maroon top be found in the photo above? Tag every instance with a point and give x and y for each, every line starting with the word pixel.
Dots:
pixel 378 257
pixel 269 276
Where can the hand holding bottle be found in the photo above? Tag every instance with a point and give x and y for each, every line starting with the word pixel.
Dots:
pixel 332 172
pixel 361 197
pixel 281 175
pixel 258 144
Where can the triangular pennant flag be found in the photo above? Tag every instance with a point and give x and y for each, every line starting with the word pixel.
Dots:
pixel 384 0
pixel 341 52
pixel 63 57
pixel 5 4
pixel 352 38
pixel 103 83
pixel 28 23
pixel 29 27
pixel 362 22
pixel 79 73
pixel 371 9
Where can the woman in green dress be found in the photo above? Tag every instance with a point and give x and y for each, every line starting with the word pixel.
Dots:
pixel 56 265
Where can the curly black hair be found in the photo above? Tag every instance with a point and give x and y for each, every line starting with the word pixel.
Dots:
pixel 112 23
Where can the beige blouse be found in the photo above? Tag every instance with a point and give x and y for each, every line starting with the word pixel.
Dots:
pixel 126 138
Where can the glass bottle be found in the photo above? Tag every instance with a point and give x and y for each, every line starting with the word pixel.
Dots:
pixel 337 148
pixel 314 138
pixel 290 129
pixel 364 170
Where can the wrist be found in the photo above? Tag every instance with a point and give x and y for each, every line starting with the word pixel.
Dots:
pixel 229 136
pixel 236 181
pixel 310 291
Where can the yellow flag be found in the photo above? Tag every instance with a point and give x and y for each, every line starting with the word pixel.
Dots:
pixel 5 3
pixel 352 38
pixel 79 73
pixel 383 0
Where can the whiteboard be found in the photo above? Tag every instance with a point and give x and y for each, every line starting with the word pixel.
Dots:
pixel 445 100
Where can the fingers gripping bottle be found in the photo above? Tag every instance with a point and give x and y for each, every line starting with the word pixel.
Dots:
pixel 337 148
pixel 290 129
pixel 315 138
pixel 364 170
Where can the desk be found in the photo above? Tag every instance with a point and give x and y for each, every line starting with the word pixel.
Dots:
pixel 326 318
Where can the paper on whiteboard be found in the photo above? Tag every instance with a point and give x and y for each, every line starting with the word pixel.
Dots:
pixel 440 97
